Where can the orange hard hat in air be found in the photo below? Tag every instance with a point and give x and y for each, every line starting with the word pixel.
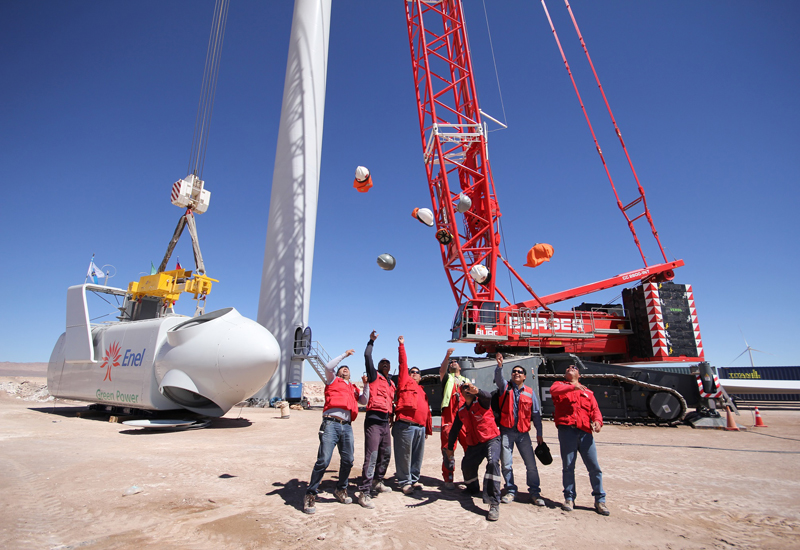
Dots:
pixel 541 252
pixel 363 181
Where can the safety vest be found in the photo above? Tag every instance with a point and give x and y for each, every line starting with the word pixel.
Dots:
pixel 523 408
pixel 479 423
pixel 341 395
pixel 381 395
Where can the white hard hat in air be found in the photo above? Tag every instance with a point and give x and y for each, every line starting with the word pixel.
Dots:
pixel 424 215
pixel 464 203
pixel 479 273
pixel 362 173
pixel 386 261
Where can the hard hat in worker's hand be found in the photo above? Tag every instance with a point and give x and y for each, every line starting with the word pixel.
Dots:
pixel 424 215
pixel 464 203
pixel 386 262
pixel 362 173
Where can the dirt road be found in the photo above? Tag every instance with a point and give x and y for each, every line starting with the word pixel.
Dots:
pixel 240 482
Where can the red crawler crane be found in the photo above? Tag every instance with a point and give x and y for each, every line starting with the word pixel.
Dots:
pixel 456 163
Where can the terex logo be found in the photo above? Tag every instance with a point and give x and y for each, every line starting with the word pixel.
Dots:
pixel 112 356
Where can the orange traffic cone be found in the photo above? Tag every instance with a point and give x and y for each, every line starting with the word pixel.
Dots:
pixel 731 427
pixel 759 420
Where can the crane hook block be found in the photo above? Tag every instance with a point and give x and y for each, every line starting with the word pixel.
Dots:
pixel 189 193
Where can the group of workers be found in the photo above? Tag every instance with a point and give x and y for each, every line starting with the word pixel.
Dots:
pixel 401 414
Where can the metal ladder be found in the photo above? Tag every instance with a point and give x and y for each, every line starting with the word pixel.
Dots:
pixel 315 354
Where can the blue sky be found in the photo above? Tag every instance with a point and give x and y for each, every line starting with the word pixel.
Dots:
pixel 97 107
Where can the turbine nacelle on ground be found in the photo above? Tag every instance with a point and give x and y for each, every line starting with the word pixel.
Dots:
pixel 204 364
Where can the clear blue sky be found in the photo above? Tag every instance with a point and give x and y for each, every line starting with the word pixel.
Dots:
pixel 97 108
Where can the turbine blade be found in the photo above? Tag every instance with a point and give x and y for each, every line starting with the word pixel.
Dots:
pixel 745 351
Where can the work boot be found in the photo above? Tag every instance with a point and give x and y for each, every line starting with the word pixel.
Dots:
pixel 408 489
pixel 365 501
pixel 601 508
pixel 449 485
pixel 418 486
pixel 567 506
pixel 308 503
pixel 508 498
pixel 494 513
pixel 341 496
pixel 379 487
pixel 537 501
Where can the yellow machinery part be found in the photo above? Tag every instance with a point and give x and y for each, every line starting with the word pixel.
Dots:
pixel 169 285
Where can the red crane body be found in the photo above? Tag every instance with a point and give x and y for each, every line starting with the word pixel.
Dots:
pixel 453 138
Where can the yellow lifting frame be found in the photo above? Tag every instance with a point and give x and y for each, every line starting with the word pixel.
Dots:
pixel 169 285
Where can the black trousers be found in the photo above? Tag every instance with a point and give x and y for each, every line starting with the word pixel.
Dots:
pixel 492 479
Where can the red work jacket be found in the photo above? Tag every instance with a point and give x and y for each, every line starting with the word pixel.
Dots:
pixel 412 403
pixel 381 395
pixel 523 408
pixel 574 407
pixel 478 422
pixel 341 395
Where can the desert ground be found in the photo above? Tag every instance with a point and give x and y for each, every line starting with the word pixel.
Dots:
pixel 76 481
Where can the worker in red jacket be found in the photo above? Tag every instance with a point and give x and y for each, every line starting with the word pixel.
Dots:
pixel 450 375
pixel 377 436
pixel 342 398
pixel 577 416
pixel 483 441
pixel 519 411
pixel 412 426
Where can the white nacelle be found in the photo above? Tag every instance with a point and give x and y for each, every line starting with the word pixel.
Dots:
pixel 204 364
pixel 189 192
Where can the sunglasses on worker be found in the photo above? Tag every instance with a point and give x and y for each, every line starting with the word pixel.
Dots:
pixel 413 371
pixel 517 371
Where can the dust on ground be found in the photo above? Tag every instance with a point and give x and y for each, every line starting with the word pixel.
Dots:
pixel 82 482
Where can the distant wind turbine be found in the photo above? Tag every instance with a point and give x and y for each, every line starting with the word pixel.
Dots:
pixel 749 350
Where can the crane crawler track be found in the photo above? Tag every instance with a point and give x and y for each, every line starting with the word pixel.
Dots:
pixel 633 382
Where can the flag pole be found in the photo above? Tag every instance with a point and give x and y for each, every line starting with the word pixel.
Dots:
pixel 89 270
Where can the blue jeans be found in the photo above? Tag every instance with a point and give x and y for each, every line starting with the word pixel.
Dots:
pixel 409 448
pixel 509 438
pixel 574 441
pixel 331 435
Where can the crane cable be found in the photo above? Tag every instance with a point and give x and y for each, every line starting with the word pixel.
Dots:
pixel 496 74
pixel 617 131
pixel 208 89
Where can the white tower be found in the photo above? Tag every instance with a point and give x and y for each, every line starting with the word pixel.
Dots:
pixel 289 254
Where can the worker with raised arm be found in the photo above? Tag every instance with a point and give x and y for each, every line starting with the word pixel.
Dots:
pixel 519 408
pixel 483 441
pixel 377 436
pixel 413 424
pixel 450 376
pixel 576 416
pixel 341 407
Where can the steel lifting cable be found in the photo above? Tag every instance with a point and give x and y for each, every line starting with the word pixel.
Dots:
pixel 591 129
pixel 494 60
pixel 208 89
pixel 616 129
